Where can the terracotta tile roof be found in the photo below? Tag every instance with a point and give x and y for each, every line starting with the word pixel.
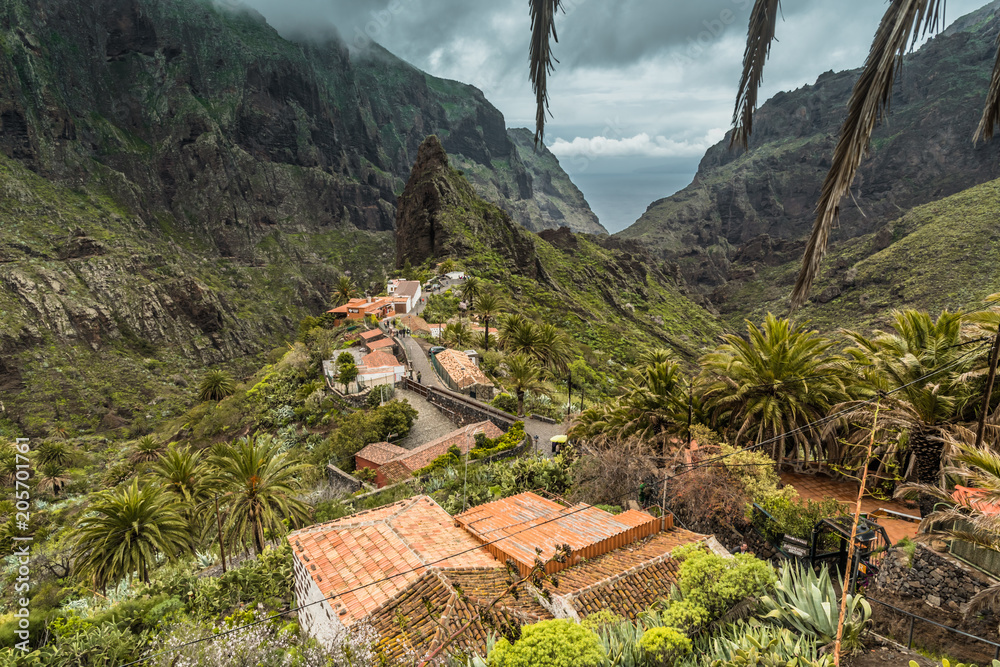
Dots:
pixel 417 620
pixel 380 344
pixel 379 359
pixel 523 523
pixel 414 323
pixel 631 593
pixel 349 559
pixel 395 471
pixel 976 498
pixel 461 369
pixel 464 438
pixel 372 335
pixel 380 452
pixel 594 571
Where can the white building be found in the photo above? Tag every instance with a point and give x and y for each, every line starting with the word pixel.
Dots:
pixel 410 290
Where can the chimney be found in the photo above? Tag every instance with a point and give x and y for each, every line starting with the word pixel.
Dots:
pixel 369 299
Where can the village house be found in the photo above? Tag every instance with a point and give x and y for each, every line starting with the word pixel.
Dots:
pixel 461 374
pixel 381 344
pixel 394 464
pixel 406 294
pixel 358 309
pixel 406 560
pixel 379 368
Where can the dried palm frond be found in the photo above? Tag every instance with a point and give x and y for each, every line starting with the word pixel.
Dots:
pixel 543 26
pixel 759 37
pixel 903 23
pixel 991 112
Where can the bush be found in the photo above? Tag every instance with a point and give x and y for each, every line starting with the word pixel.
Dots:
pixel 556 643
pixel 451 458
pixel 380 393
pixel 505 402
pixel 485 447
pixel 601 619
pixel 795 517
pixel 716 583
pixel 662 646
pixel 686 616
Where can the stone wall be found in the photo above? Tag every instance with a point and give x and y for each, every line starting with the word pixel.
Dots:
pixel 341 482
pixel 938 579
pixel 464 411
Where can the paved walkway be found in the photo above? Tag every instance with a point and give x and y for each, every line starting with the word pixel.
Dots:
pixel 431 423
pixel 818 487
pixel 421 365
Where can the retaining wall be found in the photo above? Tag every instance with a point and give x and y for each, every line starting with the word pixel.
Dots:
pixel 938 579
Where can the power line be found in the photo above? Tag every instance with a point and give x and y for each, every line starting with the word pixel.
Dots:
pixel 702 464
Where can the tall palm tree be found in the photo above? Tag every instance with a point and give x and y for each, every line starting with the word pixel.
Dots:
pixel 523 374
pixel 216 386
pixel 259 485
pixel 518 333
pixel 53 477
pixel 488 305
pixel 187 478
pixel 471 290
pixel 555 348
pixel 124 530
pixel 919 372
pixel 902 24
pixel 773 385
pixel 345 290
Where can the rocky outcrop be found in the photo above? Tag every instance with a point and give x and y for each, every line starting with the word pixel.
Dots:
pixel 753 209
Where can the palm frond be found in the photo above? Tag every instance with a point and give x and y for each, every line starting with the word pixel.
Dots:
pixel 991 112
pixel 759 37
pixel 904 21
pixel 543 27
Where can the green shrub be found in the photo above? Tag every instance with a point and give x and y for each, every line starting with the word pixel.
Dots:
pixel 662 646
pixel 685 615
pixel 556 643
pixel 380 393
pixel 449 459
pixel 610 509
pixel 716 583
pixel 505 402
pixel 601 619
pixel 908 547
pixel 795 517
pixel 486 448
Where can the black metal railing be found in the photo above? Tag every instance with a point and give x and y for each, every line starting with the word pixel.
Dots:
pixel 914 618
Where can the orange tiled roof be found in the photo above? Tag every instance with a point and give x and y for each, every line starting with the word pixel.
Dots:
pixel 370 335
pixel 412 622
pixel 380 344
pixel 379 359
pixel 461 369
pixel 402 467
pixel 395 471
pixel 381 452
pixel 969 496
pixel 351 558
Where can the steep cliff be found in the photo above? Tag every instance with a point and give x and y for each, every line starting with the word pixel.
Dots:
pixel 753 209
pixel 181 185
pixel 606 293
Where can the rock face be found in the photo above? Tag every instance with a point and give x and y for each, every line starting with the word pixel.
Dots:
pixel 440 216
pixel 181 184
pixel 752 209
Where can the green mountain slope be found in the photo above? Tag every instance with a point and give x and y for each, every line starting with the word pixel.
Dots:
pixel 758 207
pixel 940 255
pixel 605 293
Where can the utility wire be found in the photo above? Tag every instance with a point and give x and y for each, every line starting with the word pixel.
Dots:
pixel 692 468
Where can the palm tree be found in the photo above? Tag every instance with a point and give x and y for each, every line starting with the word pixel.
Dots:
pixel 55 451
pixel 523 375
pixel 518 334
pixel 187 478
pixel 471 290
pixel 345 290
pixel 458 334
pixel 258 485
pixel 124 530
pixel 902 24
pixel 919 373
pixel 554 348
pixel 147 449
pixel 772 386
pixel 488 305
pixel 52 477
pixel 216 386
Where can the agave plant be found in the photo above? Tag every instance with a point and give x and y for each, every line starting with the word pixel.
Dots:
pixel 807 602
pixel 204 559
pixel 754 645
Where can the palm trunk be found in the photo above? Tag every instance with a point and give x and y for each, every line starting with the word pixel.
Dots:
pixel 520 403
pixel 487 333
pixel 927 453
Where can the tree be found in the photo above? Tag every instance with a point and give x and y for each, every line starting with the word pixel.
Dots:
pixel 187 478
pixel 259 485
pixel 123 532
pixel 903 23
pixel 54 451
pixel 918 370
pixel 347 373
pixel 52 477
pixel 345 290
pixel 147 449
pixel 446 267
pixel 470 290
pixel 488 306
pixel 774 385
pixel 523 375
pixel 216 386
pixel 458 334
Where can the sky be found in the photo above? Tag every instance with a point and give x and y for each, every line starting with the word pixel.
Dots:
pixel 642 89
